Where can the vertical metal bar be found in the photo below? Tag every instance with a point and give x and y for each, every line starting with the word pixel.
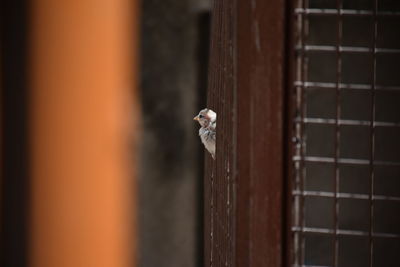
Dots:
pixel 295 140
pixel 302 134
pixel 372 136
pixel 298 201
pixel 289 253
pixel 337 131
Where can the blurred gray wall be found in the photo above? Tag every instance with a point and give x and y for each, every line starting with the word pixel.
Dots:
pixel 173 86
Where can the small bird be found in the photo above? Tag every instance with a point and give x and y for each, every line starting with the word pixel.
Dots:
pixel 208 122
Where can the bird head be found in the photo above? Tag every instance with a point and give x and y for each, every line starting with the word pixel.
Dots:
pixel 205 117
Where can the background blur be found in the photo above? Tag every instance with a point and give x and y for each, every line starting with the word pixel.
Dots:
pixel 101 163
pixel 174 51
pixel 83 84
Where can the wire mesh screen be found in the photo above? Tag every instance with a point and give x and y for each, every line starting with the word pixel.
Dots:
pixel 346 156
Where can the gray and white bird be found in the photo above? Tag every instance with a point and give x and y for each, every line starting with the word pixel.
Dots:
pixel 208 122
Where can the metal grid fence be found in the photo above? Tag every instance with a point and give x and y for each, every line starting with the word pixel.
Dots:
pixel 346 162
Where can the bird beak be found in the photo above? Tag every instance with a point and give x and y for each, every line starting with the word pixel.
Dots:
pixel 196 118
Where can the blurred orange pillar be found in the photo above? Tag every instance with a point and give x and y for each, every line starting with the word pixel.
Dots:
pixel 83 115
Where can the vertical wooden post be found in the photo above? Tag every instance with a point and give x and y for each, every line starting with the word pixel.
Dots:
pixel 81 121
pixel 219 181
pixel 244 187
pixel 260 132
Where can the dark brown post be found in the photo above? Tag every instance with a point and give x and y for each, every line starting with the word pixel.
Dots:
pixel 244 186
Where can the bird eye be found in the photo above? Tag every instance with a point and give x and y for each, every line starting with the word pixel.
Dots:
pixel 201 116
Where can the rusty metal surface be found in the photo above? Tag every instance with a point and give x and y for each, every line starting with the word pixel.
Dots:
pixel 244 186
